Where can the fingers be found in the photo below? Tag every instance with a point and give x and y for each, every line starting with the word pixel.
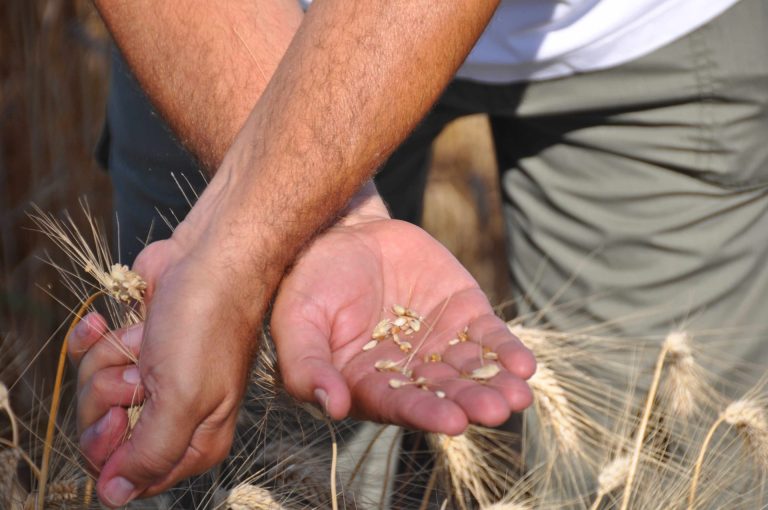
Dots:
pixel 307 369
pixel 159 452
pixel 408 405
pixel 102 438
pixel 87 332
pixel 110 387
pixel 116 348
pixel 492 333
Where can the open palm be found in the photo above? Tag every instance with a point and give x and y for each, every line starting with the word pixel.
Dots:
pixel 348 283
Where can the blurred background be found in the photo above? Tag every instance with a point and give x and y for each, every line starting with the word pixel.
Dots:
pixel 54 72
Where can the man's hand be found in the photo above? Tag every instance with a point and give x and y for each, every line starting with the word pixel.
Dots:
pixel 340 288
pixel 346 283
pixel 191 383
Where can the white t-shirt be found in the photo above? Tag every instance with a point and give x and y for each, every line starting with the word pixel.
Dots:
pixel 543 39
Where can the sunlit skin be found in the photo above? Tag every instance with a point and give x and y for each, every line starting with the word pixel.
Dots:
pixel 352 83
pixel 325 312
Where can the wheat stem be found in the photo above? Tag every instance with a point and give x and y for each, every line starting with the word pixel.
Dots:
pixel 365 454
pixel 55 400
pixel 643 426
pixel 334 460
pixel 5 404
pixel 387 469
pixel 700 460
pixel 597 502
pixel 428 490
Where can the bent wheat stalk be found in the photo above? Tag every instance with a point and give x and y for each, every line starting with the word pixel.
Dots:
pixel 747 416
pixel 55 400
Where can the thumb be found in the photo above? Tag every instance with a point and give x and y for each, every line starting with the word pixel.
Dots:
pixel 155 447
pixel 168 444
pixel 307 369
pixel 152 261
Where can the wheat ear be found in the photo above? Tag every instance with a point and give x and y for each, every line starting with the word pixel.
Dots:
pixel 251 497
pixel 611 477
pixel 749 417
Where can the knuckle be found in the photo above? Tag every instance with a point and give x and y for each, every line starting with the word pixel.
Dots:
pixel 100 385
pixel 154 464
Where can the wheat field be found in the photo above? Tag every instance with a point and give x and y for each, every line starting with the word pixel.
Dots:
pixel 672 435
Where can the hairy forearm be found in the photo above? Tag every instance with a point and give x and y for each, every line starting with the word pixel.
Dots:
pixel 204 64
pixel 355 80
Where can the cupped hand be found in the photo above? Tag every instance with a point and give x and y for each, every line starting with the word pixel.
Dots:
pixel 346 283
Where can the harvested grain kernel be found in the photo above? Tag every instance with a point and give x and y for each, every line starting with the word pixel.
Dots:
pixel 397 383
pixel 398 310
pixel 485 372
pixel 463 335
pixel 382 329
pixel 490 355
pixel 454 341
pixel 400 322
pixel 435 357
pixel 413 315
pixel 370 345
pixel 440 394
pixel 385 365
pixel 405 346
pixel 414 324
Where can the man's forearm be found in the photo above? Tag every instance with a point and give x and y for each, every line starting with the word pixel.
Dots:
pixel 355 80
pixel 204 64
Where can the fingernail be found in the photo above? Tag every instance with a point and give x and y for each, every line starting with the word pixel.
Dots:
pixel 132 336
pixel 101 425
pixel 321 397
pixel 118 491
pixel 131 375
pixel 81 329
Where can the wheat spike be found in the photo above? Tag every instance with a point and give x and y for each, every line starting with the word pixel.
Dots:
pixel 507 505
pixel 251 497
pixel 613 475
pixel 59 494
pixel 477 462
pixel 683 384
pixel 749 418
pixel 553 408
pixel 9 460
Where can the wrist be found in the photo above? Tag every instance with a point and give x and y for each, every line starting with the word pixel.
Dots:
pixel 365 206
